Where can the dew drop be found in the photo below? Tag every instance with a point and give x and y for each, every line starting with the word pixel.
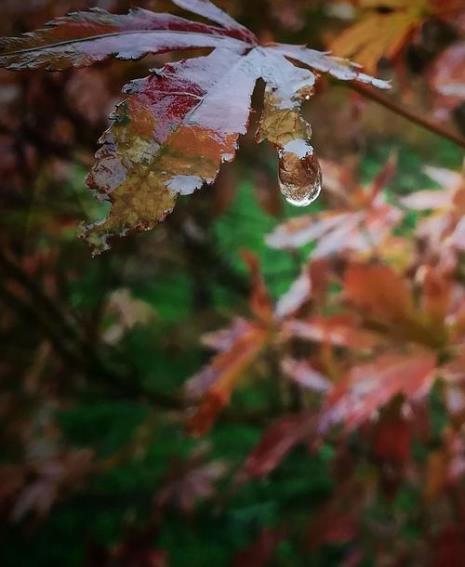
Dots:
pixel 299 173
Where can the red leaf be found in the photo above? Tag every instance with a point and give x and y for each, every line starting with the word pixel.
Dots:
pixel 392 439
pixel 367 388
pixel 260 301
pixel 379 291
pixel 276 443
pixel 190 482
pixel 261 551
pixel 449 547
pixel 216 382
pixel 338 521
pixel 305 375
pixel 334 528
pixel 437 295
pixel 339 330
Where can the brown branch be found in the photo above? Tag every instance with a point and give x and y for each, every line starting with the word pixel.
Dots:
pixel 407 113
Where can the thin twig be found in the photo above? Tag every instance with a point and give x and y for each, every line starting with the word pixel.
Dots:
pixel 407 113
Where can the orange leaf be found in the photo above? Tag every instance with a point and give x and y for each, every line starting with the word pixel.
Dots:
pixel 216 382
pixel 381 35
pixel 260 301
pixel 379 291
pixel 367 388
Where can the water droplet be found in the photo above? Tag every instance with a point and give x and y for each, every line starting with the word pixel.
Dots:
pixel 299 173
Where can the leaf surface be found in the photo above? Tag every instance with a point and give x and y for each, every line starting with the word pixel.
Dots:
pixel 368 387
pixel 337 330
pixel 380 292
pixel 82 38
pixel 277 441
pixel 215 383
pixel 169 137
pixel 208 10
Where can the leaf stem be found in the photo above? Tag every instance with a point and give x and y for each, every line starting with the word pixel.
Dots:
pixel 407 113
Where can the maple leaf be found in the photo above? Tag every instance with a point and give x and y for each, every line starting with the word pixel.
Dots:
pixel 177 126
pixel 277 441
pixel 447 78
pixel 336 330
pixel 444 227
pixel 215 383
pixel 384 299
pixel 237 348
pixel 311 284
pixel 380 292
pixel 53 475
pixel 337 522
pixel 368 387
pixel 360 222
pixel 260 302
pixel 302 373
pixel 379 35
pixel 190 482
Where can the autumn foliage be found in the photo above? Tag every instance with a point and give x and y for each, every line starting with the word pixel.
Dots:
pixel 294 397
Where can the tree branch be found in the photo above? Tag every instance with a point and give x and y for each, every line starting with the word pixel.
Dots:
pixel 407 113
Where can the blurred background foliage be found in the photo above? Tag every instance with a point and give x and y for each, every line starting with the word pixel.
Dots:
pixel 96 466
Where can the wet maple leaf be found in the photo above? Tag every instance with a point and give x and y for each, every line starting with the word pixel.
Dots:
pixel 360 222
pixel 177 126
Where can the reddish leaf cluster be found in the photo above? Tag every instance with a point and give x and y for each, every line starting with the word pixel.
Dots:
pixel 374 350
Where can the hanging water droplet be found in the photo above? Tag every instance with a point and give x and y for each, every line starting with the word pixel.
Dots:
pixel 299 173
